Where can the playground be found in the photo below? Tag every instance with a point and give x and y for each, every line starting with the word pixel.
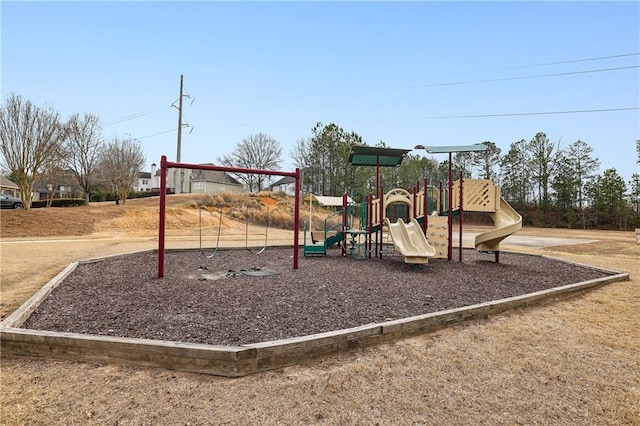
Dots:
pixel 270 315
pixel 574 360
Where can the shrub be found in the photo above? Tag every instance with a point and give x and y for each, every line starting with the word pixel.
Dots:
pixel 59 202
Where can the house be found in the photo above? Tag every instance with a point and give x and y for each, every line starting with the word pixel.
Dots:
pixel 196 181
pixel 8 187
pixel 144 182
pixel 46 191
pixel 213 181
pixel 287 185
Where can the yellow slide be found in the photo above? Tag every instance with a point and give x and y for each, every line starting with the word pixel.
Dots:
pixel 506 221
pixel 410 241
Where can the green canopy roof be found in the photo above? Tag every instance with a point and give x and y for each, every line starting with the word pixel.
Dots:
pixel 376 156
pixel 448 149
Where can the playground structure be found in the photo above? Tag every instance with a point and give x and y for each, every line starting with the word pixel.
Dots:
pixel 364 237
pixel 426 209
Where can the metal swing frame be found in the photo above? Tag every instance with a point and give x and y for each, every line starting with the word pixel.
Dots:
pixel 215 250
pixel 165 165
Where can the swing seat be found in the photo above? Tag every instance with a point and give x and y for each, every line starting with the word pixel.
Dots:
pixel 313 239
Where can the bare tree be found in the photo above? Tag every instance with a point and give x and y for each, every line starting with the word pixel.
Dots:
pixel 30 136
pixel 83 146
pixel 121 161
pixel 258 151
pixel 301 152
pixel 53 172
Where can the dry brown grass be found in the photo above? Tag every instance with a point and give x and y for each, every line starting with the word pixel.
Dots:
pixel 573 362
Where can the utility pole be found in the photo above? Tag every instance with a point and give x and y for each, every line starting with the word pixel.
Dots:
pixel 178 177
pixel 178 184
pixel 180 119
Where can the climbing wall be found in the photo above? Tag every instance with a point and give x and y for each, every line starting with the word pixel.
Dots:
pixel 438 234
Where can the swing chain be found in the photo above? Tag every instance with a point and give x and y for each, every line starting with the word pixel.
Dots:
pixel 246 234
pixel 209 256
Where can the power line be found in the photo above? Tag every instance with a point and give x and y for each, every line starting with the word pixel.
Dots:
pixel 573 61
pixel 133 116
pixel 543 64
pixel 515 114
pixel 159 133
pixel 456 83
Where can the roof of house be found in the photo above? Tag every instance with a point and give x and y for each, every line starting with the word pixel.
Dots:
pixel 5 182
pixel 144 175
pixel 283 181
pixel 214 176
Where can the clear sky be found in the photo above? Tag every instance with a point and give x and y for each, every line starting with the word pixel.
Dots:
pixel 432 73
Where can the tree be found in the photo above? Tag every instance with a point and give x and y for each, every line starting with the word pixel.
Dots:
pixel 328 171
pixel 565 185
pixel 582 166
pixel 83 146
pixel 301 154
pixel 542 162
pixel 53 173
pixel 30 135
pixel 415 168
pixel 606 193
pixel 634 194
pixel 516 174
pixel 120 162
pixel 462 161
pixel 487 161
pixel 258 151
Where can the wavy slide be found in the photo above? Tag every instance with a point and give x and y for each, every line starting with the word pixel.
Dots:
pixel 410 241
pixel 506 221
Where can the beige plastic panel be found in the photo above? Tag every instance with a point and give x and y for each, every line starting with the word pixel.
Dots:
pixel 479 195
pixel 438 235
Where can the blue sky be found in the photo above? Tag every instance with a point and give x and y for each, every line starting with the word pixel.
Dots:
pixel 387 71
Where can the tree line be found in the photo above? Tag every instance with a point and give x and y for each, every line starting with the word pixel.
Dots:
pixel 549 184
pixel 39 146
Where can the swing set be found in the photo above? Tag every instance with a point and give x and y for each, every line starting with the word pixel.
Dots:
pixel 164 165
pixel 246 235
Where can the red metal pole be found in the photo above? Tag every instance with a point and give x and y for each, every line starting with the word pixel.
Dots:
pixel 296 221
pixel 425 209
pixel 461 220
pixel 381 217
pixel 450 215
pixel 367 202
pixel 161 223
pixel 416 188
pixel 345 219
pixel 378 176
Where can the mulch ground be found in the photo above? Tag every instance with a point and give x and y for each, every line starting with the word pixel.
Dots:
pixel 213 301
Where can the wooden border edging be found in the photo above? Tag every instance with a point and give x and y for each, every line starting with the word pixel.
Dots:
pixel 236 361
